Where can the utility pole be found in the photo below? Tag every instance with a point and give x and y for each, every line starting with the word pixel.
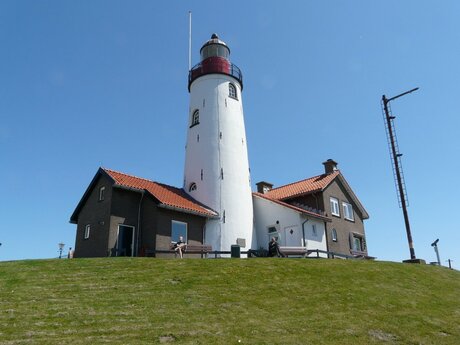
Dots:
pixel 397 167
pixel 450 263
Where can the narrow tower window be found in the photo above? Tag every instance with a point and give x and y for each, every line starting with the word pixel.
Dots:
pixel 192 187
pixel 201 174
pixel 195 118
pixel 222 173
pixel 198 138
pixel 232 91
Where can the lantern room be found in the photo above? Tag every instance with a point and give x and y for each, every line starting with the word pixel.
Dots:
pixel 215 60
pixel 214 47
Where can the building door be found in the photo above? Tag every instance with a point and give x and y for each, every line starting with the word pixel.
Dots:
pixel 125 240
pixel 292 236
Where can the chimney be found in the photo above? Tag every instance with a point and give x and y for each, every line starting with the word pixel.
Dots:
pixel 263 187
pixel 330 166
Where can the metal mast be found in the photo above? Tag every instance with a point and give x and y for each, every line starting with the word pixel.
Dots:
pixel 396 164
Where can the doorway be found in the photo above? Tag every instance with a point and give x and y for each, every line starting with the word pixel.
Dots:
pixel 125 240
pixel 292 236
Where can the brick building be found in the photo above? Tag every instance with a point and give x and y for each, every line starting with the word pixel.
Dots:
pixel 123 215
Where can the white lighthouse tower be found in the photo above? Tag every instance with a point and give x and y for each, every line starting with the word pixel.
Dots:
pixel 216 162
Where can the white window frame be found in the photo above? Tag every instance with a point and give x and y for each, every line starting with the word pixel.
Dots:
pixel 334 235
pixel 335 208
pixel 234 94
pixel 348 211
pixel 87 231
pixel 132 238
pixel 101 193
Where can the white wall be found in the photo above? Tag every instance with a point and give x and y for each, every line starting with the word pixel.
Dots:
pixel 268 213
pixel 221 146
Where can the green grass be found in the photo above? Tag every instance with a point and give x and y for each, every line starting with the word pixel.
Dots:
pixel 222 301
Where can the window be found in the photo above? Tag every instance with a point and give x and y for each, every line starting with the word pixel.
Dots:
pixel 214 50
pixel 192 187
pixel 334 235
pixel 178 229
pixel 87 230
pixel 357 243
pixel 348 211
pixel 195 118
pixel 232 91
pixel 101 193
pixel 335 207
pixel 272 229
pixel 313 230
pixel 273 233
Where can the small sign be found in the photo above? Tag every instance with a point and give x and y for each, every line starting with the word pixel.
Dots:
pixel 241 242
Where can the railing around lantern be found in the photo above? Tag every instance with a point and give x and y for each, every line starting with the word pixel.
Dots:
pixel 201 69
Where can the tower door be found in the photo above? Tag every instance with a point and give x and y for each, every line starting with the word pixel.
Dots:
pixel 125 241
pixel 292 236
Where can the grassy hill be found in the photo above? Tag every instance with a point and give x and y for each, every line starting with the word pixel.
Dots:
pixel 227 301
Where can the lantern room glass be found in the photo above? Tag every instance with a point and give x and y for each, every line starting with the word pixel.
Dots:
pixel 214 50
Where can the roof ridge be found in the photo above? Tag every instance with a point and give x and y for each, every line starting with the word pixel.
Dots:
pixel 140 178
pixel 157 190
pixel 283 203
pixel 305 179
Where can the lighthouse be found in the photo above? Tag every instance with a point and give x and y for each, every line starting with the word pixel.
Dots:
pixel 216 159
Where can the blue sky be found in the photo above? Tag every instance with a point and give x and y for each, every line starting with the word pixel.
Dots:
pixel 85 84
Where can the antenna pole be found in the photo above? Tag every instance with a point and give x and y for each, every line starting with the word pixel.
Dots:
pixel 189 40
pixel 395 155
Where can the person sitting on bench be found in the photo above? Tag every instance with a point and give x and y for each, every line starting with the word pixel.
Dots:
pixel 274 248
pixel 179 245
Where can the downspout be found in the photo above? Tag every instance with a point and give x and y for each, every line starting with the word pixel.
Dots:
pixel 327 242
pixel 139 223
pixel 303 234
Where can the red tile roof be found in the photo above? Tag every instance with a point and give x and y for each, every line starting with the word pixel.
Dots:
pixel 309 185
pixel 293 207
pixel 169 196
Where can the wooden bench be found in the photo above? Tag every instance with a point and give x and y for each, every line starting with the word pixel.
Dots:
pixel 287 251
pixel 203 249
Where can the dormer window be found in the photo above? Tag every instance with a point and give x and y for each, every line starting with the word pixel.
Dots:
pixel 101 193
pixel 232 91
pixel 195 118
